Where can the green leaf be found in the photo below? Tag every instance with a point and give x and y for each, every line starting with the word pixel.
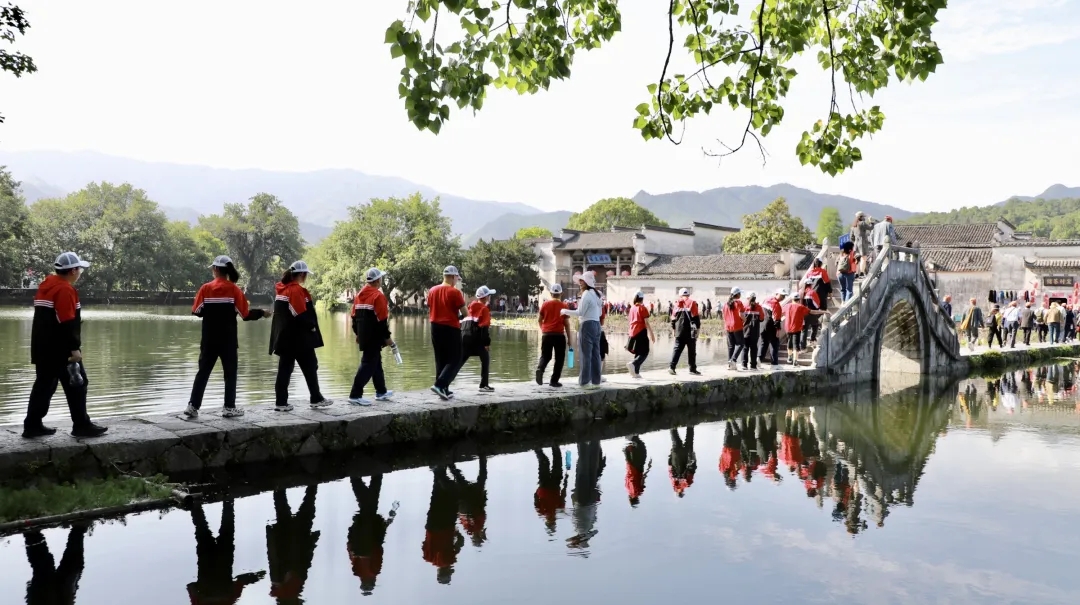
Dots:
pixel 395 51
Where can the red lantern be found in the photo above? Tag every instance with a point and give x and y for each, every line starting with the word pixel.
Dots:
pixel 610 272
pixel 626 274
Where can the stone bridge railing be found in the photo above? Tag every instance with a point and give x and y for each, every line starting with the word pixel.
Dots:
pixel 853 335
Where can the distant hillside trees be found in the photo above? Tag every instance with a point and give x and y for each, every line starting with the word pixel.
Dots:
pixel 613 211
pixel 771 230
pixel 508 266
pixel 262 237
pixel 1054 219
pixel 532 233
pixel 830 225
pixel 14 231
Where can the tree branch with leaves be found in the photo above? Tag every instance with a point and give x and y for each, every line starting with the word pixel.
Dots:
pixel 742 61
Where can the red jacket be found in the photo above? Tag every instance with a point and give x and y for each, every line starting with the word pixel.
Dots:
pixel 733 321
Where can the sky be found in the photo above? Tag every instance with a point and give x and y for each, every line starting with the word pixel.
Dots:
pixel 305 86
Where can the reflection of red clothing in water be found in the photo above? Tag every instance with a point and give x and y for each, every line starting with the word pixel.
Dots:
pixel 790 451
pixel 367 567
pixel 439 547
pixel 680 484
pixel 473 524
pixel 730 458
pixel 770 467
pixel 549 501
pixel 635 481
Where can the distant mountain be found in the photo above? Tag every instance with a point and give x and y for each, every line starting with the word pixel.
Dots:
pixel 36 189
pixel 507 225
pixel 1053 192
pixel 318 198
pixel 726 206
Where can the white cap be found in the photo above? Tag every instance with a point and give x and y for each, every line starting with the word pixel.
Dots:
pixel 484 292
pixel 782 292
pixel 374 274
pixel 450 270
pixel 589 278
pixel 555 289
pixel 751 295
pixel 221 261
pixel 736 290
pixel 640 295
pixel 684 292
pixel 300 267
pixel 70 260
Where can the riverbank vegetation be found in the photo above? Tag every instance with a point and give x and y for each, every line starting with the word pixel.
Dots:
pixel 49 499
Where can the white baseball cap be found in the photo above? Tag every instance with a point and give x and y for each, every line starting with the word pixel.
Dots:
pixel 589 278
pixel 450 270
pixel 221 261
pixel 70 260
pixel 684 292
pixel 782 292
pixel 300 267
pixel 736 290
pixel 555 289
pixel 640 295
pixel 751 295
pixel 374 274
pixel 484 292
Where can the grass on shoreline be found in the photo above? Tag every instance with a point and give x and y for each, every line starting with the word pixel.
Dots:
pixel 48 499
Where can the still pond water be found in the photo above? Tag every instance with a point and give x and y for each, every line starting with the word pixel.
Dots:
pixel 143 360
pixel 965 496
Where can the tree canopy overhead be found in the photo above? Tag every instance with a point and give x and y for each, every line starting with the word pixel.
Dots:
pixel 454 51
pixel 771 230
pixel 613 211
pixel 13 23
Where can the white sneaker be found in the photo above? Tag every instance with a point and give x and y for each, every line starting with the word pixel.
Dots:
pixel 231 412
pixel 385 396
pixel 630 366
pixel 325 403
pixel 360 401
pixel 591 387
pixel 731 365
pixel 191 412
pixel 288 407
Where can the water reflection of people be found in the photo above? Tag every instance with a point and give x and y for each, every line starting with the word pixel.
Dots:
pixel 368 532
pixel 550 496
pixel 472 502
pixel 53 584
pixel 636 471
pixel 682 462
pixel 290 546
pixel 731 454
pixel 442 540
pixel 766 445
pixel 215 584
pixel 748 448
pixel 586 494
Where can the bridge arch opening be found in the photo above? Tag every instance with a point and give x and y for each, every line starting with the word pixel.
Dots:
pixel 901 341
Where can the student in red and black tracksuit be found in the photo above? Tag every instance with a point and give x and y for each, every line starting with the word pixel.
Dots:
pixel 685 323
pixel 550 496
pixel 442 540
pixel 554 334
pixel 476 335
pixel 368 532
pixel 370 323
pixel 218 303
pixel 637 469
pixel 446 305
pixel 290 546
pixel 56 351
pixel 682 461
pixel 215 584
pixel 472 502
pixel 770 329
pixel 752 316
pixel 294 336
pixel 733 324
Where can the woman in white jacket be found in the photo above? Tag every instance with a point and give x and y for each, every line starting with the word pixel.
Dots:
pixel 588 310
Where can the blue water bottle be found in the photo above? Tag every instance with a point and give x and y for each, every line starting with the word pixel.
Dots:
pixel 567 459
pixel 570 359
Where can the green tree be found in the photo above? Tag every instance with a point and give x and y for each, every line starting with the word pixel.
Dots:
pixel 262 237
pixel 116 227
pixel 508 266
pixel 740 58
pixel 771 230
pixel 830 225
pixel 532 233
pixel 613 211
pixel 14 231
pixel 409 238
pixel 13 23
pixel 183 263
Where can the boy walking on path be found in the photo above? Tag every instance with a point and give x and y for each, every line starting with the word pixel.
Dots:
pixel 685 323
pixel 370 324
pixel 554 335
pixel 476 335
pixel 445 305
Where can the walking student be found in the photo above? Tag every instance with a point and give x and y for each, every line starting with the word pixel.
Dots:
pixel 752 317
pixel 56 351
pixel 973 320
pixel 554 336
pixel 795 315
pixel 588 311
pixel 770 329
pixel 685 323
pixel 733 323
pixel 996 326
pixel 846 268
pixel 371 325
pixel 476 335
pixel 294 336
pixel 1012 322
pixel 1027 322
pixel 218 302
pixel 641 334
pixel 446 304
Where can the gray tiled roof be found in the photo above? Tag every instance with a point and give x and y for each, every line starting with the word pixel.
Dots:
pixel 958 260
pixel 1053 263
pixel 975 234
pixel 717 264
pixel 1036 243
pixel 597 241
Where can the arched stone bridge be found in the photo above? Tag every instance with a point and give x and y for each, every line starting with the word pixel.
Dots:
pixel 894 323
